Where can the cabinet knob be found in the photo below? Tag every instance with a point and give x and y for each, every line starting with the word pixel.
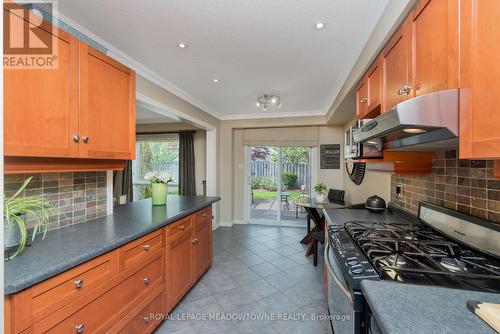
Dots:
pixel 146 280
pixel 363 100
pixel 85 139
pixel 203 214
pixel 78 283
pixel 76 138
pixel 405 90
pixel 182 227
pixel 193 241
pixel 146 248
pixel 80 328
pixel 146 320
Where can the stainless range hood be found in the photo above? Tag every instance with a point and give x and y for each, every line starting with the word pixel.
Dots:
pixel 424 123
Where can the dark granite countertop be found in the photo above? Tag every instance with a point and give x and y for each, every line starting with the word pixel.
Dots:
pixel 407 308
pixel 341 216
pixel 70 246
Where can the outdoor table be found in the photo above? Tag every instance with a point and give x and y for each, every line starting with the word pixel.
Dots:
pixel 311 207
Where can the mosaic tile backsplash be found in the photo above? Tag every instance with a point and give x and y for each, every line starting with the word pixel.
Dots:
pixel 464 185
pixel 77 197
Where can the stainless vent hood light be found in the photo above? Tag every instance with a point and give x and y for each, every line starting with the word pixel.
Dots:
pixel 424 123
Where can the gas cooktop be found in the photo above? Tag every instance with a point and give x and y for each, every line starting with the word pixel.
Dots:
pixel 421 255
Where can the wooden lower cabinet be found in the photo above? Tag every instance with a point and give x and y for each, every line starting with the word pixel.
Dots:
pixel 128 290
pixel 179 263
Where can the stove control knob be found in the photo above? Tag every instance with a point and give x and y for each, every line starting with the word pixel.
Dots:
pixel 352 261
pixel 334 228
pixel 357 270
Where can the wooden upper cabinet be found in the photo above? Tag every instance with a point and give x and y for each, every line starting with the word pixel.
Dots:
pixel 395 65
pixel 107 106
pixel 41 105
pixel 362 99
pixel 434 28
pixel 479 79
pixel 374 81
pixel 83 108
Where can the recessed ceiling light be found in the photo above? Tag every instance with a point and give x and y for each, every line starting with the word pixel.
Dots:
pixel 320 25
pixel 414 130
pixel 182 45
pixel 215 80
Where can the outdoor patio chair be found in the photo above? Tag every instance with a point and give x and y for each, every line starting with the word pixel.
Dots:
pixel 304 194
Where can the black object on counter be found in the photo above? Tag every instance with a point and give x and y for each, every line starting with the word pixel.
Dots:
pixel 375 204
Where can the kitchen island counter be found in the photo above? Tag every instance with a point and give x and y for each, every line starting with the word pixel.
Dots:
pixel 71 246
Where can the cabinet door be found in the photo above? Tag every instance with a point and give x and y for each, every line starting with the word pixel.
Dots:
pixel 362 99
pixel 107 107
pixel 41 105
pixel 374 80
pixel 179 266
pixel 435 46
pixel 202 250
pixel 479 78
pixel 395 74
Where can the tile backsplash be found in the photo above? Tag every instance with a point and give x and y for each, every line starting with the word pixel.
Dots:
pixel 77 197
pixel 464 185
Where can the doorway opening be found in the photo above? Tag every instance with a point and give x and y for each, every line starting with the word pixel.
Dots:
pixel 278 176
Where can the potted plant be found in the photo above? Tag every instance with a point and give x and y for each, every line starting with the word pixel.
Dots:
pixel 320 189
pixel 159 185
pixel 15 211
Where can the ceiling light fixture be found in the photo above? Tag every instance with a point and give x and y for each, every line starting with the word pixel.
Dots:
pixel 182 45
pixel 320 25
pixel 265 101
pixel 414 130
pixel 215 80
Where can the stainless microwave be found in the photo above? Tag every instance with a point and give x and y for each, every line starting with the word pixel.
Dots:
pixel 353 150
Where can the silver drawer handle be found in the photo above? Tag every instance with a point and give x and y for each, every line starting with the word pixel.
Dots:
pixel 80 328
pixel 78 283
pixel 146 248
pixel 146 280
pixel 146 319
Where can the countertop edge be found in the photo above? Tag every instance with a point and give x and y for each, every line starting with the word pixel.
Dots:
pixel 29 281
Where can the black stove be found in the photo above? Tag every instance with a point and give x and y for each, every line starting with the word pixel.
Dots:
pixel 419 254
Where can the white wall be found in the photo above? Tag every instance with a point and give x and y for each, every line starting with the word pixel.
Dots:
pixel 374 183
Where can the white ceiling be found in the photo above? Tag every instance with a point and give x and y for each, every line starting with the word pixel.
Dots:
pixel 145 116
pixel 252 46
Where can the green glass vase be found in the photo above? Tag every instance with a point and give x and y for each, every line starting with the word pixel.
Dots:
pixel 159 193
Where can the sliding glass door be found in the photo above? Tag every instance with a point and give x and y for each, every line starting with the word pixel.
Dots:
pixel 278 176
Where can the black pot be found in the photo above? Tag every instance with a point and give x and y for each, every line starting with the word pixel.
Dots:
pixel 375 204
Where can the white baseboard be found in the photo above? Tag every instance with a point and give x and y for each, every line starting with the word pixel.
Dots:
pixel 225 224
pixel 239 222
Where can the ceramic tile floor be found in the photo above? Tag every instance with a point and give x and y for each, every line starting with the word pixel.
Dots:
pixel 257 271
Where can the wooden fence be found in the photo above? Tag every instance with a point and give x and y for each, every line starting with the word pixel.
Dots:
pixel 269 170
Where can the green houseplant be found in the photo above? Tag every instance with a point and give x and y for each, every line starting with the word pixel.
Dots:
pixel 320 190
pixel 15 211
pixel 159 186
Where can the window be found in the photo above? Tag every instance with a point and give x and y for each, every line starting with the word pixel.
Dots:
pixel 155 154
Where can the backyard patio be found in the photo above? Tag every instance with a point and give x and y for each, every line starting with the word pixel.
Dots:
pixel 265 205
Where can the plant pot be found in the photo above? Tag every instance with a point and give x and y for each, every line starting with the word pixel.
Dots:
pixel 11 240
pixel 159 193
pixel 320 198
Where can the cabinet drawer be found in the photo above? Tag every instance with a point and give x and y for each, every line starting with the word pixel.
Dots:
pixel 202 218
pixel 145 317
pixel 140 249
pixel 180 228
pixel 54 293
pixel 98 315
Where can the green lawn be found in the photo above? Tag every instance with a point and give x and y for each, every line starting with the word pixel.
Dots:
pixel 263 194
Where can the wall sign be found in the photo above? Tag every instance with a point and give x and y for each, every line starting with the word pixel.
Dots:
pixel 329 156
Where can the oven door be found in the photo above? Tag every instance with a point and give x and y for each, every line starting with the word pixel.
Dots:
pixel 340 300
